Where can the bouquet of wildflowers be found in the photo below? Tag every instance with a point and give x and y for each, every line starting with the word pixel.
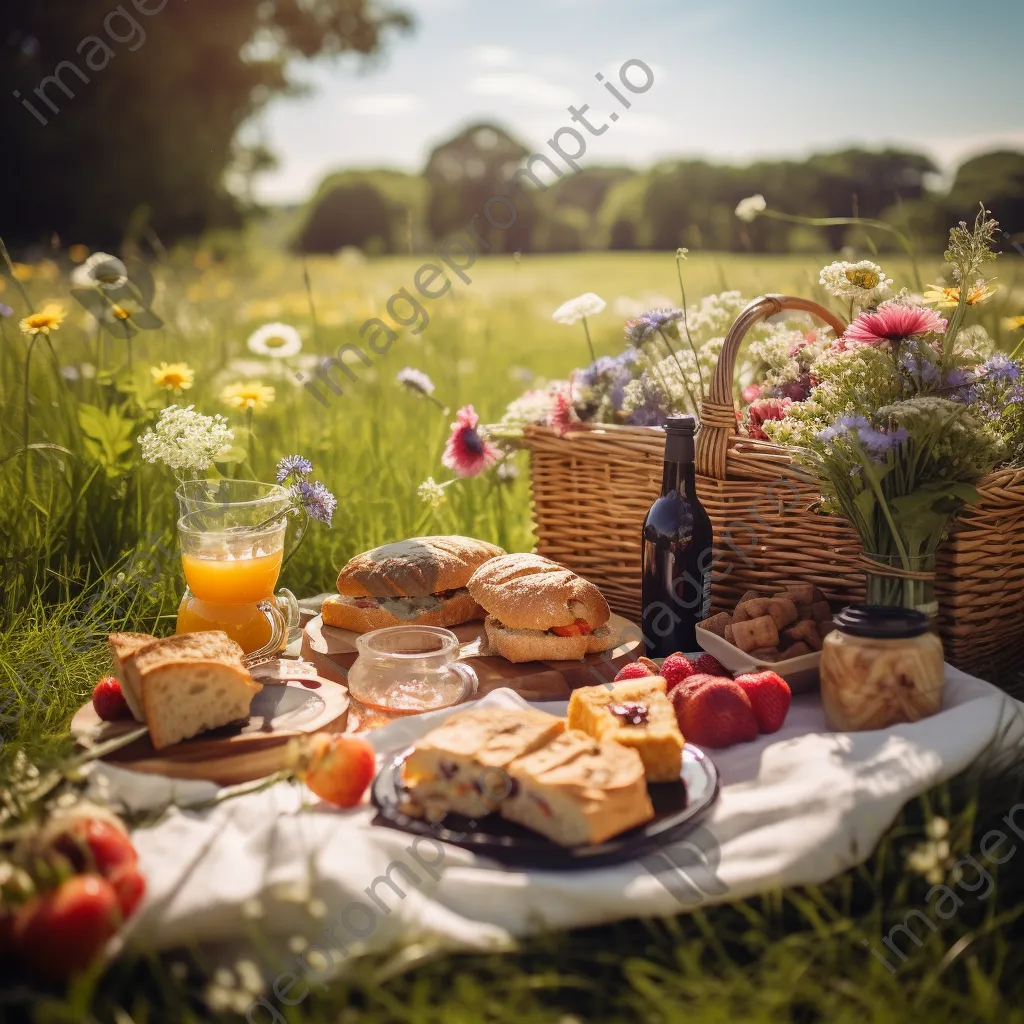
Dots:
pixel 904 413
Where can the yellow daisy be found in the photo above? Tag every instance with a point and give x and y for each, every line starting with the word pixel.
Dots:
pixel 254 396
pixel 949 298
pixel 173 376
pixel 1013 323
pixel 49 318
pixel 23 271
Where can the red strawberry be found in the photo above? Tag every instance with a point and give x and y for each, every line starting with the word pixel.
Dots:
pixel 130 887
pixel 63 931
pixel 718 714
pixel 676 668
pixel 92 844
pixel 711 665
pixel 108 700
pixel 338 768
pixel 634 670
pixel 680 694
pixel 769 696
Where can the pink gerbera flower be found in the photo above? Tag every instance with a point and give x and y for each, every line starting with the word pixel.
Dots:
pixel 466 452
pixel 761 411
pixel 894 322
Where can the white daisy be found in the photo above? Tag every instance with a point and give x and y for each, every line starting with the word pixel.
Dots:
pixel 587 304
pixel 278 341
pixel 863 283
pixel 749 209
pixel 100 270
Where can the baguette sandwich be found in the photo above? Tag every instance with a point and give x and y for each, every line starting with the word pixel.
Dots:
pixel 537 610
pixel 412 582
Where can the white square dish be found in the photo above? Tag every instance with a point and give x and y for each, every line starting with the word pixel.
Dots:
pixel 801 673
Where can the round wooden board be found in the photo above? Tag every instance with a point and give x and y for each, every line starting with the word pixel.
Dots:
pixel 333 652
pixel 294 701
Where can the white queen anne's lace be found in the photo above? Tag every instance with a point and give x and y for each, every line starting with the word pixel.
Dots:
pixel 186 440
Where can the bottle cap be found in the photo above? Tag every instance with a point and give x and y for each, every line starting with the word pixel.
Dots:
pixel 880 622
pixel 685 425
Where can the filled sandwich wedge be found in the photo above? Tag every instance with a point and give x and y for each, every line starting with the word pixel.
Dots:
pixel 537 610
pixel 411 582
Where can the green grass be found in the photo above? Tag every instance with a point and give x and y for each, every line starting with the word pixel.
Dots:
pixel 86 535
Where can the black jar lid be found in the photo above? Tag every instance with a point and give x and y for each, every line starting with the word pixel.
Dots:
pixel 880 622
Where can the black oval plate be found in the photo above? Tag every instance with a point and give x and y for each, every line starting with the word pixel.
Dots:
pixel 677 808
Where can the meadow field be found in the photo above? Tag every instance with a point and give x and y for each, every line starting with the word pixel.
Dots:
pixel 88 545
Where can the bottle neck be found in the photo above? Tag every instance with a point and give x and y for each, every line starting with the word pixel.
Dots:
pixel 680 477
pixel 679 474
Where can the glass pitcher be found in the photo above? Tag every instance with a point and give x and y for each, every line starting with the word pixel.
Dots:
pixel 232 535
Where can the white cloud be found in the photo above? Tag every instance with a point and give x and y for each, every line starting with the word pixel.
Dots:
pixel 521 87
pixel 494 57
pixel 383 104
pixel 636 123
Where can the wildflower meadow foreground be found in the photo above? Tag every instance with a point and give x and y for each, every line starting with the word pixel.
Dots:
pixel 313 711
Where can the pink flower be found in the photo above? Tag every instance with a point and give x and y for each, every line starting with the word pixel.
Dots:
pixel 560 418
pixel 761 411
pixel 894 322
pixel 466 452
pixel 751 393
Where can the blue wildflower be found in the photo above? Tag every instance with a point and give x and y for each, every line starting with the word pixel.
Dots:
pixel 879 442
pixel 1000 368
pixel 6 311
pixel 640 330
pixel 315 499
pixel 843 425
pixel 293 465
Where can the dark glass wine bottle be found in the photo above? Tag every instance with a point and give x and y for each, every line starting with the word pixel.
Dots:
pixel 677 551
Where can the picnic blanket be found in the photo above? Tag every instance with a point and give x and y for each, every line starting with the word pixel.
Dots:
pixel 306 888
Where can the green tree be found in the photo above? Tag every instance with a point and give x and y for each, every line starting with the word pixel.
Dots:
pixel 139 106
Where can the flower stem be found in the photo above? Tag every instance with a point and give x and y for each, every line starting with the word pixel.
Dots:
pixel 682 374
pixel 686 327
pixel 250 439
pixel 25 410
pixel 590 344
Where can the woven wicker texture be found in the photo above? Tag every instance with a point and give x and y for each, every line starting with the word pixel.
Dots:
pixel 593 487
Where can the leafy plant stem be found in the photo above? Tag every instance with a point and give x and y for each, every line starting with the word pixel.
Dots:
pixel 590 344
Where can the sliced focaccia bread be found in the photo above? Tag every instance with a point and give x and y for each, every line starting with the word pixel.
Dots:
pixel 122 647
pixel 461 765
pixel 181 699
pixel 576 790
pixel 635 713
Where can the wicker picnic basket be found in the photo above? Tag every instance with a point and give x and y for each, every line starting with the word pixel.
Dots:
pixel 592 488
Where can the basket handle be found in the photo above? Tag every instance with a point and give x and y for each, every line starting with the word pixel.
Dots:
pixel 718 411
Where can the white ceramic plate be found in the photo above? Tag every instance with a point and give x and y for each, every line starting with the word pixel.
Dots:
pixel 801 673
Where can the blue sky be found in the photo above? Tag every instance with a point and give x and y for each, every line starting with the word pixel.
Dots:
pixel 733 79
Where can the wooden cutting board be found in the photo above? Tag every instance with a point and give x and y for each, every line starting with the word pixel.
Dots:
pixel 333 652
pixel 294 701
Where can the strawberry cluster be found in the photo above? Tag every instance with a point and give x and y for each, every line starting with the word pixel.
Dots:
pixel 84 884
pixel 713 709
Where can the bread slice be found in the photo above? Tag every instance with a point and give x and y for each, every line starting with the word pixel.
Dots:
pixel 182 698
pixel 635 713
pixel 208 645
pixel 577 791
pixel 519 645
pixel 461 765
pixel 415 568
pixel 525 591
pixel 122 647
pixel 344 612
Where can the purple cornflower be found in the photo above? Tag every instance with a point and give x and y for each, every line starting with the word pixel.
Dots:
pixel 645 326
pixel 919 368
pixel 316 500
pixel 878 442
pixel 293 465
pixel 843 425
pixel 1001 368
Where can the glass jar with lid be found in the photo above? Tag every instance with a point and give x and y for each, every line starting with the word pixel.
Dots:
pixel 880 666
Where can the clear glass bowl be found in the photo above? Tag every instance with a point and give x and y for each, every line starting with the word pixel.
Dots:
pixel 408 670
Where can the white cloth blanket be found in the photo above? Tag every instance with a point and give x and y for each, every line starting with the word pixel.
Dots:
pixel 278 873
